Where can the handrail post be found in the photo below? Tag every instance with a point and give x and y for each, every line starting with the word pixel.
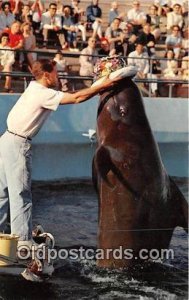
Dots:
pixel 170 90
pixel 149 86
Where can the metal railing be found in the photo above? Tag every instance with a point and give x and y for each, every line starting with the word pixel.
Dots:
pixel 40 52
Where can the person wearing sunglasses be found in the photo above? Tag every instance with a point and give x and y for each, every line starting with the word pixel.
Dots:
pixel 51 25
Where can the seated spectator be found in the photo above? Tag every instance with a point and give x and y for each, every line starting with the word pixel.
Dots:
pixel 185 42
pixel 170 66
pixel 69 29
pixel 163 7
pixel 175 17
pixel 136 17
pixel 37 9
pixel 139 58
pixel 16 38
pixel 62 68
pixel 78 14
pixel 25 15
pixel 88 59
pixel 147 39
pixel 94 14
pixel 6 16
pixel 154 20
pixel 6 60
pixel 29 43
pixel 183 4
pixel 115 36
pixel 185 68
pixel 114 13
pixel 129 39
pixel 51 25
pixel 59 6
pixel 174 41
pixel 105 48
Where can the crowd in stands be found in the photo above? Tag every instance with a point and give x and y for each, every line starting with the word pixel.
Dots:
pixel 133 34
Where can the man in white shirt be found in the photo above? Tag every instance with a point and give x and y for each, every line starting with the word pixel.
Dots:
pixel 23 123
pixel 139 58
pixel 136 17
pixel 51 24
pixel 175 17
pixel 88 58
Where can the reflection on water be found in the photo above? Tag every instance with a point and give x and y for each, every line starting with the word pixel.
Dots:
pixel 70 212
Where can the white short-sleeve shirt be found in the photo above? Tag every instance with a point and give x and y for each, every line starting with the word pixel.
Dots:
pixel 32 109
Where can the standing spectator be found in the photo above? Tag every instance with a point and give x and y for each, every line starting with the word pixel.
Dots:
pixel 6 60
pixel 174 41
pixel 115 36
pixel 94 17
pixel 29 43
pixel 69 29
pixel 175 17
pixel 51 25
pixel 62 68
pixel 154 20
pixel 163 7
pixel 78 14
pixel 7 18
pixel 136 17
pixel 147 39
pixel 87 58
pixel 37 9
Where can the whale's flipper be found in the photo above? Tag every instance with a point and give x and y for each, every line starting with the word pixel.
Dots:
pixel 179 205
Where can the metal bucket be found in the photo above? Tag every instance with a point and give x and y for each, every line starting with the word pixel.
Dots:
pixel 8 249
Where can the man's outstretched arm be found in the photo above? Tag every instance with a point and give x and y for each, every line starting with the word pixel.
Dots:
pixel 87 93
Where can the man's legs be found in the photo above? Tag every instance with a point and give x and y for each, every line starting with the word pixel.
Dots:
pixel 16 153
pixel 4 201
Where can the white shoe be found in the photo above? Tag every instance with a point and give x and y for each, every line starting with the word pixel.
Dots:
pixel 28 275
pixel 36 270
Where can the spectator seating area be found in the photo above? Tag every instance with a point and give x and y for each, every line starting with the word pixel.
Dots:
pixel 67 37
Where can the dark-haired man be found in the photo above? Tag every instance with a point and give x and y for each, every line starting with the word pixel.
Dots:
pixel 52 25
pixel 23 123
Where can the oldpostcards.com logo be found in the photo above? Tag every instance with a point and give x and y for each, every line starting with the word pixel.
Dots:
pixel 93 254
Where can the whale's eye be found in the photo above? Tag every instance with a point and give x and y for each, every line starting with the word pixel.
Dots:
pixel 123 110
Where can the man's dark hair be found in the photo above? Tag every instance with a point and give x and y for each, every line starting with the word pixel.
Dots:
pixel 52 4
pixel 42 65
pixel 5 4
